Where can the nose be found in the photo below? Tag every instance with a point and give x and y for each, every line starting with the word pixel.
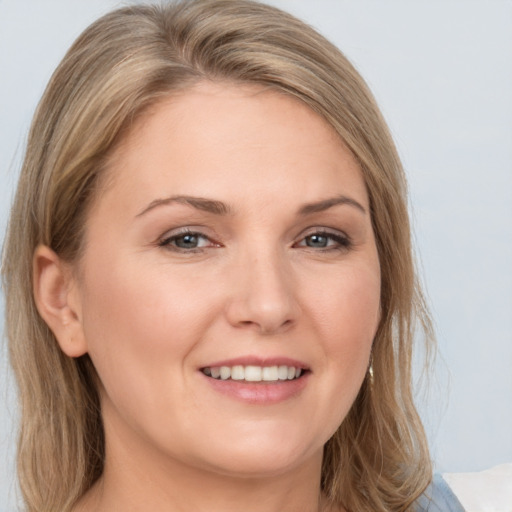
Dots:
pixel 263 295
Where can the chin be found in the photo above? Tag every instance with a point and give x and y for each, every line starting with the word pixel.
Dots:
pixel 261 455
pixel 262 464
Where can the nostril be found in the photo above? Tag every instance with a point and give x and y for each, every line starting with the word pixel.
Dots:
pixel 277 327
pixel 263 300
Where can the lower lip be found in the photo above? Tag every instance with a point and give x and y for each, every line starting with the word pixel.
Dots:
pixel 264 393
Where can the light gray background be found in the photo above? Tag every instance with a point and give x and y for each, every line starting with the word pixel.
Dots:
pixel 442 74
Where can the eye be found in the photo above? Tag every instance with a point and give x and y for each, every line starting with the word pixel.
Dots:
pixel 325 240
pixel 187 241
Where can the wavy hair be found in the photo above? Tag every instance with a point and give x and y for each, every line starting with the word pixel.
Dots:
pixel 121 65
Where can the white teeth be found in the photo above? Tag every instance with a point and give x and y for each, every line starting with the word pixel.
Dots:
pixel 269 373
pixel 238 373
pixel 253 373
pixel 282 373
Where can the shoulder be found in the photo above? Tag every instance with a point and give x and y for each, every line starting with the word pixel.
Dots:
pixel 438 497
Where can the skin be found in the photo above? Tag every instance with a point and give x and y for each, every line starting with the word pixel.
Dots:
pixel 258 283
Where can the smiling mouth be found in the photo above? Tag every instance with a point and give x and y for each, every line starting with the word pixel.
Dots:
pixel 253 373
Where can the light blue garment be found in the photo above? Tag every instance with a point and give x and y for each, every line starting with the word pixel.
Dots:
pixel 439 498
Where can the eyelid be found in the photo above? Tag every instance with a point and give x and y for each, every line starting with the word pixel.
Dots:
pixel 343 241
pixel 322 230
pixel 166 239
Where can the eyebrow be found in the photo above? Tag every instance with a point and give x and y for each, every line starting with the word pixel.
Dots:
pixel 220 208
pixel 325 204
pixel 200 203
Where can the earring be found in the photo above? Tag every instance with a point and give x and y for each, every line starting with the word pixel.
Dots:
pixel 370 369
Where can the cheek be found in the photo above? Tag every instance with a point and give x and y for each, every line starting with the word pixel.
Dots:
pixel 346 320
pixel 136 321
pixel 347 309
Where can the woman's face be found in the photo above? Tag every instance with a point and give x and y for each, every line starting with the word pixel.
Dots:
pixel 232 237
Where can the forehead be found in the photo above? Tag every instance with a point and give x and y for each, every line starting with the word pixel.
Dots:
pixel 218 134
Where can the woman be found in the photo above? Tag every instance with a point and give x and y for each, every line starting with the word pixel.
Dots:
pixel 210 291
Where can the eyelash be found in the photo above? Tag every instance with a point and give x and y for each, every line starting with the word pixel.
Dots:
pixel 342 242
pixel 168 241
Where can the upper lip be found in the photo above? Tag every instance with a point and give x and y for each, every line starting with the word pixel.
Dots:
pixel 259 361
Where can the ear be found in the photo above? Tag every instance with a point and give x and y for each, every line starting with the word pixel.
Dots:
pixel 57 299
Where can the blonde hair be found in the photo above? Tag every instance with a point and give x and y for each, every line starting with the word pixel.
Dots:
pixel 123 63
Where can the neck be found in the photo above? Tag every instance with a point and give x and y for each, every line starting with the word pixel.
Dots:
pixel 190 489
pixel 138 479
